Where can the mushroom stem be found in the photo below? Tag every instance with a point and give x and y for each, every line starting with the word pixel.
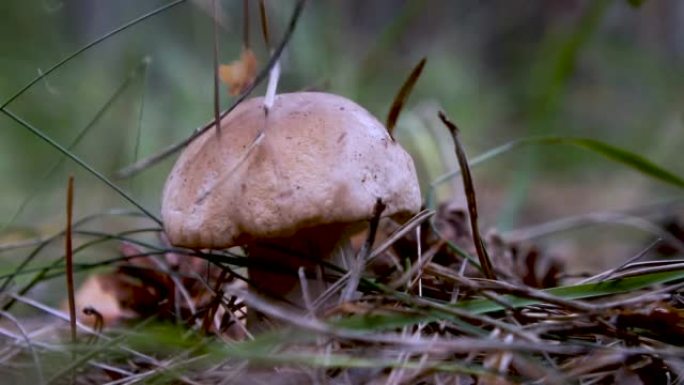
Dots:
pixel 275 263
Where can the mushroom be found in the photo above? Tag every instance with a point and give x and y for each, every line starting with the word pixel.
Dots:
pixel 314 177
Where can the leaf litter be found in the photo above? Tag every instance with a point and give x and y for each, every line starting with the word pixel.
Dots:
pixel 423 310
pixel 383 335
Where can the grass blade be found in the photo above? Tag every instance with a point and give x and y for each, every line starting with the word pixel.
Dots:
pixel 141 68
pixel 617 154
pixel 135 168
pixel 34 130
pixel 476 307
pixel 87 47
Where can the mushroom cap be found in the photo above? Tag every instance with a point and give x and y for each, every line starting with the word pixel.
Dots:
pixel 322 160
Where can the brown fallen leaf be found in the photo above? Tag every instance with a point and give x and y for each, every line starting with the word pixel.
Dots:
pixel 171 287
pixel 239 74
pixel 98 292
pixel 661 321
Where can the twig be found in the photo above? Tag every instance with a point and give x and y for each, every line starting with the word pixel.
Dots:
pixel 70 258
pixel 362 256
pixel 469 188
pixel 215 302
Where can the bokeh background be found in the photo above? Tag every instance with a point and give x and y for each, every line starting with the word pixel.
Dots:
pixel 503 70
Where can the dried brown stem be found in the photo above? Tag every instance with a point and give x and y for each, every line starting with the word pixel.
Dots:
pixel 213 306
pixel 264 24
pixel 69 258
pixel 469 188
pixel 401 96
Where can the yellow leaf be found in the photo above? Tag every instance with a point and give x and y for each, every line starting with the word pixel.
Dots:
pixel 239 74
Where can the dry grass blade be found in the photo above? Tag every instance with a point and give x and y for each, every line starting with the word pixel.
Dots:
pixel 360 260
pixel 509 288
pixel 469 188
pixel 404 229
pixel 22 244
pixel 607 274
pixel 60 315
pixel 40 245
pixel 264 24
pixel 99 175
pixel 29 344
pixel 402 96
pixel 69 259
pixel 421 344
pixel 88 46
pixel 630 219
pixel 217 96
pixel 143 164
pixel 138 70
pixel 416 270
pixel 404 303
pixel 226 174
pixel 641 268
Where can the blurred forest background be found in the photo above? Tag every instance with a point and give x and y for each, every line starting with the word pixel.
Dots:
pixel 608 70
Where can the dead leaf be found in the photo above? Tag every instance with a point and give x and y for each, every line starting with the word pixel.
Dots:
pixel 239 74
pixel 147 286
pixel 99 293
pixel 659 321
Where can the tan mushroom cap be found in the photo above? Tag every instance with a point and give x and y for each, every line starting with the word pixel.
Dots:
pixel 323 160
